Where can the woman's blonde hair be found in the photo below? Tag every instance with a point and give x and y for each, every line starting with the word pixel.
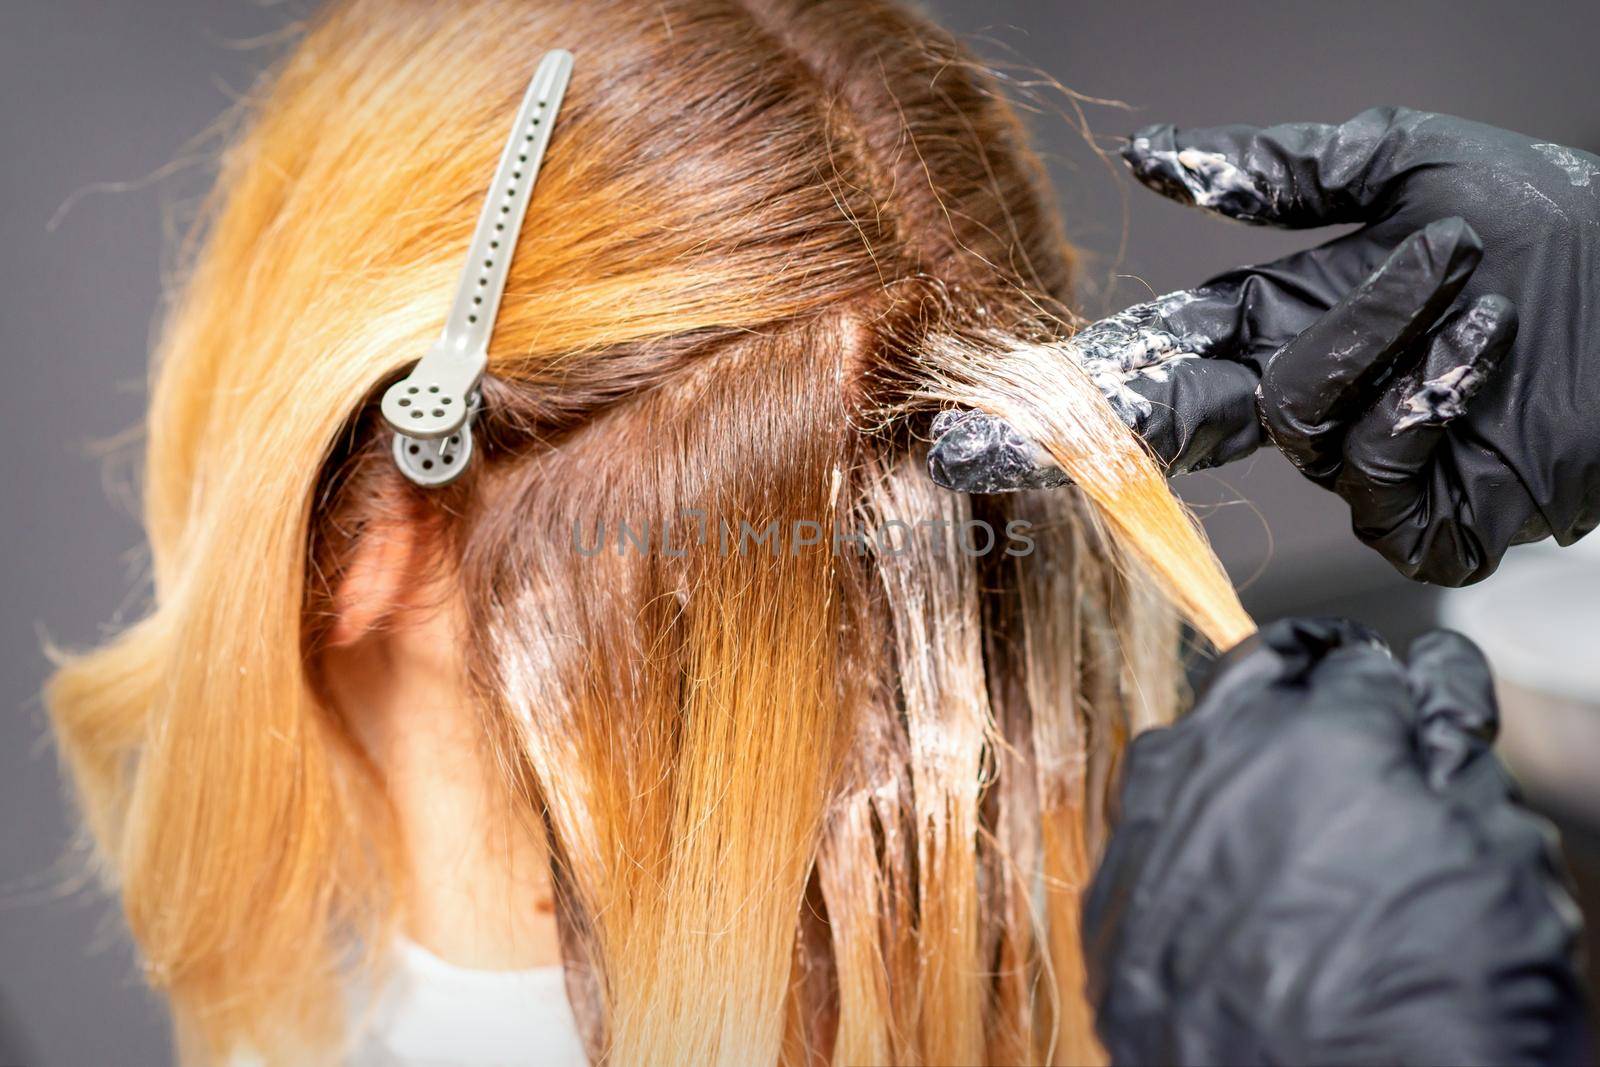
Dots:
pixel 804 802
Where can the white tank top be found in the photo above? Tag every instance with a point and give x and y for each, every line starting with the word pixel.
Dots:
pixel 430 1013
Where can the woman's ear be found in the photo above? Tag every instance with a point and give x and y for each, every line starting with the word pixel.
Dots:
pixel 383 579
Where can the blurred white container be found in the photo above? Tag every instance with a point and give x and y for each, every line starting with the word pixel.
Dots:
pixel 1538 621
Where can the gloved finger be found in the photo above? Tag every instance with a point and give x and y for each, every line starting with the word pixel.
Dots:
pixel 1458 717
pixel 1137 358
pixel 1195 413
pixel 1387 452
pixel 974 452
pixel 1293 175
pixel 1243 315
pixel 1190 413
pixel 1334 368
pixel 1461 359
pixel 1130 356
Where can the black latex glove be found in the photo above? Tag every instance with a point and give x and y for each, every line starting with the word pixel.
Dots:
pixel 1444 459
pixel 1323 863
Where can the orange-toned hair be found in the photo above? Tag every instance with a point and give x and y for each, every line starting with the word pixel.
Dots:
pixel 801 804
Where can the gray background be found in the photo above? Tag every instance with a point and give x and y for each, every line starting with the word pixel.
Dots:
pixel 117 91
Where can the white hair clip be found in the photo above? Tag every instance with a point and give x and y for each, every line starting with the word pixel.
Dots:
pixel 432 408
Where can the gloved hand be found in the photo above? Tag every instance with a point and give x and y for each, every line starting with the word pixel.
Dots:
pixel 1323 863
pixel 1444 460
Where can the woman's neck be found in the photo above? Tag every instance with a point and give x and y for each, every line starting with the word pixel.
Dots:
pixel 478 892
